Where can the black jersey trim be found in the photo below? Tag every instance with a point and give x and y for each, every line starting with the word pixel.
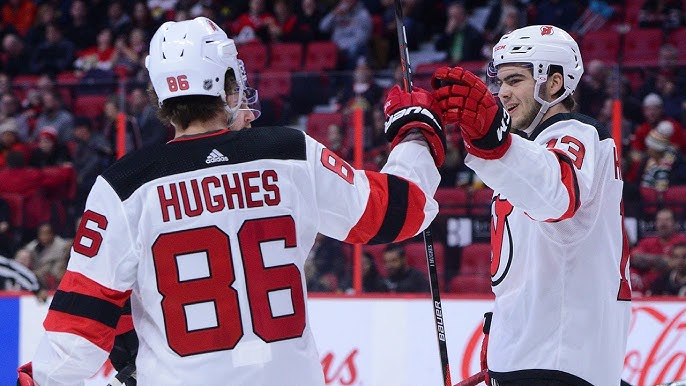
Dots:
pixel 396 211
pixel 536 377
pixel 251 144
pixel 90 307
pixel 603 132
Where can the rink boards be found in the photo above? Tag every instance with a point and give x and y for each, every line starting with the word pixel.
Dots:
pixel 373 341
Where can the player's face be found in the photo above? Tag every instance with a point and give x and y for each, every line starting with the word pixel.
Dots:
pixel 244 115
pixel 517 94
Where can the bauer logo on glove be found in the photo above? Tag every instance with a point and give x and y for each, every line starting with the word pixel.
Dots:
pixel 406 111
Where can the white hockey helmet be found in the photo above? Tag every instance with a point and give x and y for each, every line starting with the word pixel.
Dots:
pixel 191 58
pixel 540 46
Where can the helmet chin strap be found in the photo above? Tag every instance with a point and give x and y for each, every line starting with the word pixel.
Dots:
pixel 545 105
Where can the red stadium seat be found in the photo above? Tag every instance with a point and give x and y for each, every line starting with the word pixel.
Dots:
pixel 318 123
pixel 89 106
pixel 286 56
pixel 649 201
pixel 631 10
pixel 481 202
pixel 476 259
pixel 641 47
pixel 601 45
pixel 320 56
pixel 675 198
pixel 25 81
pixel 678 39
pixel 15 202
pixel 452 201
pixel 254 55
pixel 470 284
pixel 416 257
pixel 274 84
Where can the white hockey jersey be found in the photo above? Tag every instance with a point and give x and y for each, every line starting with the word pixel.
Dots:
pixel 208 236
pixel 560 257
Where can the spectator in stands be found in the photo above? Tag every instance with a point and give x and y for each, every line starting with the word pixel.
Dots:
pixel 92 154
pixel 328 257
pixel 654 113
pixel 18 15
pixel 307 26
pixel 6 237
pixel 16 58
pixel 98 60
pixel 400 276
pixel 460 40
pixel 666 14
pixel 130 52
pixel 372 281
pixel 11 142
pixel 55 54
pixel 118 21
pixel 504 16
pixel 52 252
pixel 54 114
pixel 650 255
pixel 152 129
pixel 50 150
pixel 336 142
pixel 317 282
pixel 663 166
pixel 350 25
pixel 133 139
pixel 10 107
pixel 592 90
pixel 282 28
pixel 80 28
pixel 252 25
pixel 25 258
pixel 560 13
pixel 672 282
pixel 142 19
pixel 46 14
pixel 16 277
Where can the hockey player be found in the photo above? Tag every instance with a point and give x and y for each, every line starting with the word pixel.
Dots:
pixel 560 261
pixel 208 234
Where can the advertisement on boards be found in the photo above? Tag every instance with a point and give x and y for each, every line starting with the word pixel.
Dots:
pixel 367 341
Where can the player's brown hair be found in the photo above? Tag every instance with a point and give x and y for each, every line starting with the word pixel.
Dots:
pixel 186 109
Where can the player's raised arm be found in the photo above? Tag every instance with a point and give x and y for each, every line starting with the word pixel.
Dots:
pixel 361 206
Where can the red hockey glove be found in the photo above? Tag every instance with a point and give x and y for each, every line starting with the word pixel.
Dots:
pixel 465 100
pixel 484 346
pixel 25 377
pixel 415 110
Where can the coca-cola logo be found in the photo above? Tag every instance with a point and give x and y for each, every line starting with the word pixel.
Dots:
pixel 662 358
pixel 342 370
pixel 656 353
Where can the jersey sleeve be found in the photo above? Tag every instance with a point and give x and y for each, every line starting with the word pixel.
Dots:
pixel 80 324
pixel 548 178
pixel 360 206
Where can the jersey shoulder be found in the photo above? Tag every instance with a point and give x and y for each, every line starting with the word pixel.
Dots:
pixel 196 153
pixel 563 122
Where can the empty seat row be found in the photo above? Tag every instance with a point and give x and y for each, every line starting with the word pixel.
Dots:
pixel 311 57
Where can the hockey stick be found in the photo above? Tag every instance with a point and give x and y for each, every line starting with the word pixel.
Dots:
pixel 128 372
pixel 474 379
pixel 428 236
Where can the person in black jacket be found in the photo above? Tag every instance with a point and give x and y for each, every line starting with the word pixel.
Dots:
pixel 400 276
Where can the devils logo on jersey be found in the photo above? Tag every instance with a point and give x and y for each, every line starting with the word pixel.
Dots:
pixel 501 240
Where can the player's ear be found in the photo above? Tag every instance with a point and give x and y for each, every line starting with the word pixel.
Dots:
pixel 555 83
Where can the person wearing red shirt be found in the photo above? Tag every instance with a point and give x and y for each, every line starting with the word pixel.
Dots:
pixel 10 141
pixel 252 25
pixel 654 114
pixel 19 14
pixel 649 257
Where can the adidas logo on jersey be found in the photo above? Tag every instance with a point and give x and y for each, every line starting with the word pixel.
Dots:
pixel 216 156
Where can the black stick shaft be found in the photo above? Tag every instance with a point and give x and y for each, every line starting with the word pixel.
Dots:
pixel 428 236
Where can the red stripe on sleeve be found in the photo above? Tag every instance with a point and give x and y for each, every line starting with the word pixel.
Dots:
pixel 415 212
pixel 76 282
pixel 568 177
pixel 372 218
pixel 124 325
pixel 95 332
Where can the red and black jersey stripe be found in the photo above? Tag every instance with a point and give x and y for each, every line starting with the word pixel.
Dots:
pixel 85 308
pixel 395 211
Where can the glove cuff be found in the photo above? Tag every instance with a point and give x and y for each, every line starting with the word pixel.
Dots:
pixel 497 140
